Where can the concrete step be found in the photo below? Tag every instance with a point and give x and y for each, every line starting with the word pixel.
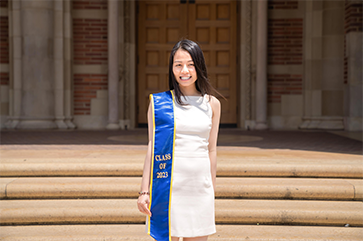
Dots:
pixel 113 211
pixel 137 233
pixel 228 166
pixel 127 187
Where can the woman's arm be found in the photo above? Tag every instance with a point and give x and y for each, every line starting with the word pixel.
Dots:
pixel 144 200
pixel 216 108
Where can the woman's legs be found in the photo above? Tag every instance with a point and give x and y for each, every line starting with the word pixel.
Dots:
pixel 202 238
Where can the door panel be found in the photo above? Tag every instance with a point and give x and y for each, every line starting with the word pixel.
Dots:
pixel 161 25
pixel 212 24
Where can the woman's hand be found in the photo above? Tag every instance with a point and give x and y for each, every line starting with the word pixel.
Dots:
pixel 143 204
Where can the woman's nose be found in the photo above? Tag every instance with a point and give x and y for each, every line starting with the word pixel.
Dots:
pixel 185 69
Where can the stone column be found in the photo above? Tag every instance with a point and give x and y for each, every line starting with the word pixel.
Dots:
pixel 245 65
pixel 353 78
pixel 261 77
pixel 354 89
pixel 67 25
pixel 133 66
pixel 37 107
pixel 59 65
pixel 127 83
pixel 15 72
pixel 113 75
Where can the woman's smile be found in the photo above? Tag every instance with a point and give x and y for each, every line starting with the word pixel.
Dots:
pixel 186 78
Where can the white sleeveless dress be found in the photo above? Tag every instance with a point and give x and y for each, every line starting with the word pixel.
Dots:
pixel 192 201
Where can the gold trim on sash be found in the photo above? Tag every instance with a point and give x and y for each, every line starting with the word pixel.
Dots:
pixel 152 161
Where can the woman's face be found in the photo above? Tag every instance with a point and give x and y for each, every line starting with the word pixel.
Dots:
pixel 184 69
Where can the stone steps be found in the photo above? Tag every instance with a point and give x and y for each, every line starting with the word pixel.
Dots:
pixel 89 193
pixel 137 233
pixel 228 211
pixel 227 167
pixel 127 187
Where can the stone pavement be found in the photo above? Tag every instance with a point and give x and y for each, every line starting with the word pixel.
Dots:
pixel 319 141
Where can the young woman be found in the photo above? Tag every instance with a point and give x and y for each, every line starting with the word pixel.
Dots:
pixel 196 116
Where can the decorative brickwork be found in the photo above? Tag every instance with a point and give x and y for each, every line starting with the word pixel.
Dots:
pixel 89 48
pixel 353 23
pixel 90 41
pixel 4 40
pixel 90 4
pixel 285 38
pixel 283 4
pixel 4 43
pixel 345 66
pixel 283 84
pixel 4 3
pixel 285 47
pixel 353 16
pixel 85 89
pixel 4 77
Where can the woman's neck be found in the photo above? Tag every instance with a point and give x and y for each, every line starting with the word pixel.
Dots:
pixel 191 91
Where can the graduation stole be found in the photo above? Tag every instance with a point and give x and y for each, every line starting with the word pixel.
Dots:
pixel 161 177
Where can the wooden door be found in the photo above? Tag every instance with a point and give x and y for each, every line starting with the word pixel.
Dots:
pixel 161 24
pixel 212 24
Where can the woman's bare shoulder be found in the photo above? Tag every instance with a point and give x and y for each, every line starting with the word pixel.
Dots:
pixel 214 102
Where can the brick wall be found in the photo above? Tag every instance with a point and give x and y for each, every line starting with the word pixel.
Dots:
pixel 4 3
pixel 353 23
pixel 353 16
pixel 4 43
pixel 85 88
pixel 278 4
pixel 285 38
pixel 4 76
pixel 89 48
pixel 283 84
pixel 285 47
pixel 4 40
pixel 90 4
pixel 90 41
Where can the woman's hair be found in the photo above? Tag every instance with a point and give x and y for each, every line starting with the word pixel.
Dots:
pixel 202 83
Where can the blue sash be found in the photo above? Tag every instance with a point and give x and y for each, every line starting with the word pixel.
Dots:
pixel 161 165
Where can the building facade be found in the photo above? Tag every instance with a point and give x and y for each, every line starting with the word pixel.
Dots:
pixel 91 64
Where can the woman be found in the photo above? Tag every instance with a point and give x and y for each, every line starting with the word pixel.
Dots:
pixel 196 115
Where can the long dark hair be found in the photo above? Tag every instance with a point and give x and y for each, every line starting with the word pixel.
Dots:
pixel 202 83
